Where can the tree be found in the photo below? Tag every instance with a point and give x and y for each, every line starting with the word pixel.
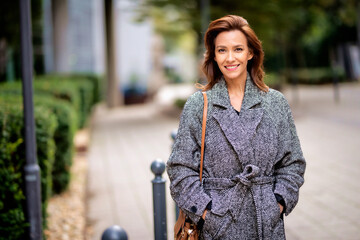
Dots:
pixel 287 28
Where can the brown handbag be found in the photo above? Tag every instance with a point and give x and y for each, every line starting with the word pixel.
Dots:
pixel 184 228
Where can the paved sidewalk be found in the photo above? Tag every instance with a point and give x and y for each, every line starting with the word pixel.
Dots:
pixel 329 206
pixel 124 143
pixel 126 140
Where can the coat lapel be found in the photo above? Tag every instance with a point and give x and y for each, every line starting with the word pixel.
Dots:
pixel 238 129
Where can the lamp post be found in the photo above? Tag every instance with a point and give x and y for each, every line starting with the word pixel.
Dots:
pixel 31 169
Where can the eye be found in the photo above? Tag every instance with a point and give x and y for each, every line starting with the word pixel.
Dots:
pixel 238 49
pixel 221 50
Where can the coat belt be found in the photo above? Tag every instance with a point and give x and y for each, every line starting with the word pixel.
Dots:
pixel 249 178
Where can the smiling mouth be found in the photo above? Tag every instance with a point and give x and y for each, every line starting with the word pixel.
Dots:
pixel 232 67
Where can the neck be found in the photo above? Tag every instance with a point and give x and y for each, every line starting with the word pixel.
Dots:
pixel 236 87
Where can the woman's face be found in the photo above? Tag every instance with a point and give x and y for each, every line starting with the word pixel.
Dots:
pixel 232 54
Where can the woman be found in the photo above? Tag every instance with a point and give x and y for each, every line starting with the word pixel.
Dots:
pixel 253 164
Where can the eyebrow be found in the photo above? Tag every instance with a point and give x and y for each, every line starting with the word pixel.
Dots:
pixel 239 45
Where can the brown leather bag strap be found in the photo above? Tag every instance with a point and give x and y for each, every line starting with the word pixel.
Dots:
pixel 203 134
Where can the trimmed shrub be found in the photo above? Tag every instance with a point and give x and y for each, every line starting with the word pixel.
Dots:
pixel 82 88
pixel 58 90
pixel 12 161
pixel 97 85
pixel 57 103
pixel 96 81
pixel 62 90
pixel 75 93
pixel 63 135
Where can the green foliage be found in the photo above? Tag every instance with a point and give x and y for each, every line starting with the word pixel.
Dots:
pixel 315 75
pixel 12 161
pixel 63 136
pixel 57 89
pixel 78 90
pixel 274 80
pixel 96 81
pixel 61 90
pixel 10 33
pixel 294 33
pixel 10 19
pixel 180 102
pixel 57 102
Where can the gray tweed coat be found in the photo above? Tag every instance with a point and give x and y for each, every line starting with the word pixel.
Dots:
pixel 249 158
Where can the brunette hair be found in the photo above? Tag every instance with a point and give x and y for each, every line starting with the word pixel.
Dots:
pixel 255 65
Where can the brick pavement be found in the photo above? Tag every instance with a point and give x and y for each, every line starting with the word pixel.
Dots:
pixel 125 141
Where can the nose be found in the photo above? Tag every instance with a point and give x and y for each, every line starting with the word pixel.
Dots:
pixel 230 56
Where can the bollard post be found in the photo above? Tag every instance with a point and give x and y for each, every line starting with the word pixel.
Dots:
pixel 173 134
pixel 160 230
pixel 114 233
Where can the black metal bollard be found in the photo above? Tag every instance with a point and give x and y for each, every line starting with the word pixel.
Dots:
pixel 114 233
pixel 160 230
pixel 173 134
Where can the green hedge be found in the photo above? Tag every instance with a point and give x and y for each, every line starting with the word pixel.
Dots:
pixel 58 90
pixel 78 91
pixel 12 161
pixel 62 104
pixel 64 134
pixel 63 137
pixel 96 81
pixel 81 95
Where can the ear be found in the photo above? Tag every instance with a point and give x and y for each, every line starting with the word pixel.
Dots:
pixel 215 59
pixel 250 54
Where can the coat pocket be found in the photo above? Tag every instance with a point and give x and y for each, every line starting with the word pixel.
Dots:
pixel 220 201
pixel 222 191
pixel 271 209
pixel 215 226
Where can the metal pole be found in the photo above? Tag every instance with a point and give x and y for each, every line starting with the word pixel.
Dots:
pixel 32 170
pixel 160 230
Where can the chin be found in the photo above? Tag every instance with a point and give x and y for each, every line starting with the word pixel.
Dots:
pixel 232 77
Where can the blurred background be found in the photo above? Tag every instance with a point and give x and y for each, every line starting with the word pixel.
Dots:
pixel 158 42
pixel 111 78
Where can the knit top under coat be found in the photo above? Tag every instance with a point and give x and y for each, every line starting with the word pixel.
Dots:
pixel 249 157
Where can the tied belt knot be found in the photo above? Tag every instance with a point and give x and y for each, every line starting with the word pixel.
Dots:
pixel 234 189
pixel 250 176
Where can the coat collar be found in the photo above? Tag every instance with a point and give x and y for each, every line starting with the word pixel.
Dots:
pixel 252 97
pixel 238 129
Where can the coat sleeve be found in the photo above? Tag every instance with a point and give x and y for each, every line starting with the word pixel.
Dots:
pixel 184 162
pixel 290 163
